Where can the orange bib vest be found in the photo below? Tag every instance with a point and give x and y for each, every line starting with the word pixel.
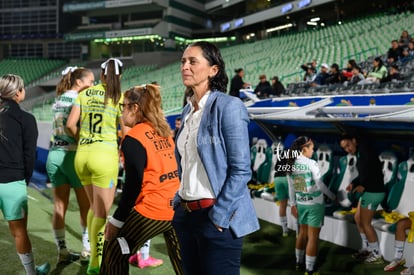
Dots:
pixel 160 181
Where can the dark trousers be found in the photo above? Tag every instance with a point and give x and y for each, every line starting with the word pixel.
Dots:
pixel 136 230
pixel 204 249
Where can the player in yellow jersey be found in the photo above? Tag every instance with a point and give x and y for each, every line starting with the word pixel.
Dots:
pixel 96 162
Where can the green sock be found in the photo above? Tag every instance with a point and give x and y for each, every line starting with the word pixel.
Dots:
pixel 96 240
pixel 89 219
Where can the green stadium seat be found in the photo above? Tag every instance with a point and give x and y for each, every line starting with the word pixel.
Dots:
pixel 346 173
pixel 324 157
pixel 399 199
pixel 260 161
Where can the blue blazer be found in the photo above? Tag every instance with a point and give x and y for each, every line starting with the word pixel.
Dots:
pixel 223 146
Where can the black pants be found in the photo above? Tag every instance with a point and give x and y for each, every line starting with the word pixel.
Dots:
pixel 136 230
pixel 204 249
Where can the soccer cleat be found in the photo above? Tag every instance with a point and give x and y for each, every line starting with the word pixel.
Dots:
pixel 150 262
pixel 43 269
pixel 374 259
pixel 133 259
pixel 67 257
pixel 392 266
pixel 312 273
pixel 285 234
pixel 361 255
pixel 408 271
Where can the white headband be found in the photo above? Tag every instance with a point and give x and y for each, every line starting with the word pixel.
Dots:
pixel 117 64
pixel 69 69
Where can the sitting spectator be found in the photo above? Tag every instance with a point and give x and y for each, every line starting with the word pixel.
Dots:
pixel 277 87
pixel 404 39
pixel 347 73
pixel 309 75
pixel 394 74
pixel 379 72
pixel 357 76
pixel 405 56
pixel 391 61
pixel 321 77
pixel 394 52
pixel 335 75
pixel 310 69
pixel 402 225
pixel 410 48
pixel 263 89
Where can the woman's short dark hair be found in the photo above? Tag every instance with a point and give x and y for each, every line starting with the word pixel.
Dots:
pixel 380 63
pixel 346 136
pixel 212 54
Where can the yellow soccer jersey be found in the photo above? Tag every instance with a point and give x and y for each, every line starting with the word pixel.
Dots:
pixel 98 123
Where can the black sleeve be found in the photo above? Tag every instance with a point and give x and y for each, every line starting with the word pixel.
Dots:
pixel 135 160
pixel 369 169
pixel 30 134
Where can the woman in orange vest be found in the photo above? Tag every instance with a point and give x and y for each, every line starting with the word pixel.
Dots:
pixel 151 181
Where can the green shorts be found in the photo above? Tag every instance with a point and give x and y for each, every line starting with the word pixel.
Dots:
pixel 99 168
pixel 13 200
pixel 60 168
pixel 312 215
pixel 281 188
pixel 371 200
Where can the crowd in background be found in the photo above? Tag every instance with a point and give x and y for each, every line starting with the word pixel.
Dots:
pixel 379 69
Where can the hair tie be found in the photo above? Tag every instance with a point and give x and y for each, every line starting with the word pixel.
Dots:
pixel 69 69
pixel 117 64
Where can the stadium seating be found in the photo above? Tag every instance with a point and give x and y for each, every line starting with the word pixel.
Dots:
pixel 345 174
pixel 260 161
pixel 389 168
pixel 324 157
pixel 283 55
pixel 29 69
pixel 400 197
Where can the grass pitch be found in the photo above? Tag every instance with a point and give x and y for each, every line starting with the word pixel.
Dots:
pixel 264 252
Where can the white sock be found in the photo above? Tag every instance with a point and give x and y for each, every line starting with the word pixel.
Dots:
pixel 28 263
pixel 374 247
pixel 364 241
pixel 310 262
pixel 85 239
pixel 60 239
pixel 145 249
pixel 399 249
pixel 283 220
pixel 299 255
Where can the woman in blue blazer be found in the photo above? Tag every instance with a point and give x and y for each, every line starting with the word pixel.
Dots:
pixel 213 209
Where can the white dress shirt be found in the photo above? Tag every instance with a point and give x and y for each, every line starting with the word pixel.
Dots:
pixel 195 184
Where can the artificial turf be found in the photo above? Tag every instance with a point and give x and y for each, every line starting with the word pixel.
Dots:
pixel 264 252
